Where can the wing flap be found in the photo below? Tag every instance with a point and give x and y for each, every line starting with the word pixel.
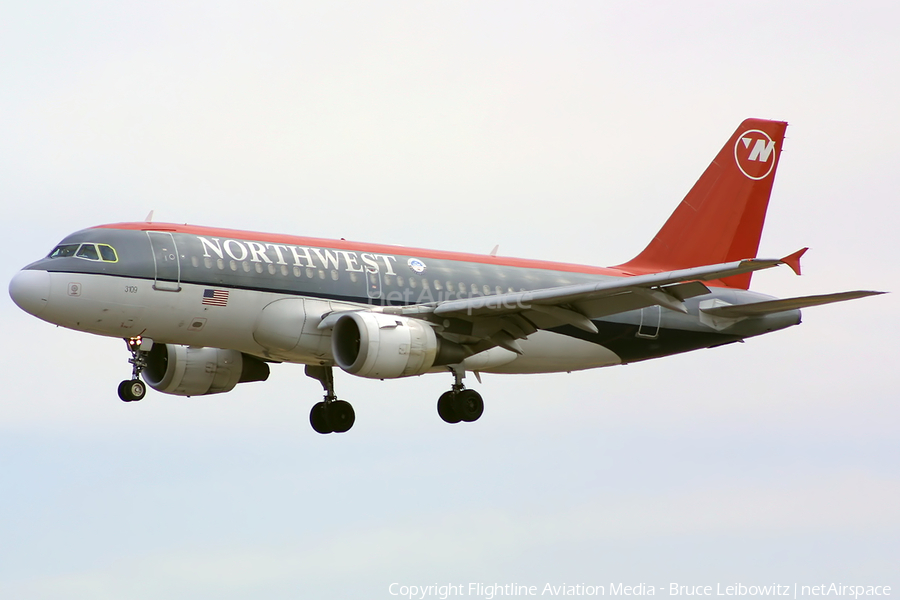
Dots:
pixel 561 315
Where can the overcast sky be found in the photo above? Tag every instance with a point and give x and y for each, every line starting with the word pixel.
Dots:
pixel 560 130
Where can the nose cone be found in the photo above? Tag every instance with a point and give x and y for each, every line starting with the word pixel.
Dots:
pixel 30 290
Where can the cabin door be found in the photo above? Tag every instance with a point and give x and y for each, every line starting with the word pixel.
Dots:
pixel 165 261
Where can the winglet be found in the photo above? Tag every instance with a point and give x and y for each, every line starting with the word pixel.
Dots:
pixel 793 260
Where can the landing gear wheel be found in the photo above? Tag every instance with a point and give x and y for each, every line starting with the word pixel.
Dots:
pixel 446 408
pixel 341 415
pixel 468 405
pixel 332 415
pixel 132 390
pixel 318 418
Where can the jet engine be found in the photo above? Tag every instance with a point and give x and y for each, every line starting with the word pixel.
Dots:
pixel 383 346
pixel 189 371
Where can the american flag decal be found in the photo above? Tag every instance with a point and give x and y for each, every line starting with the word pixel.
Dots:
pixel 215 297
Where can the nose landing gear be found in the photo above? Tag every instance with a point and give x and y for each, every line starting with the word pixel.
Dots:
pixel 331 415
pixel 134 389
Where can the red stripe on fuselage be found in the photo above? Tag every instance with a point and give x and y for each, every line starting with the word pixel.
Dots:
pixel 274 238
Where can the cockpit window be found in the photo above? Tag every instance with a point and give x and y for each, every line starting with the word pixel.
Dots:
pixel 107 253
pixel 64 250
pixel 103 252
pixel 88 251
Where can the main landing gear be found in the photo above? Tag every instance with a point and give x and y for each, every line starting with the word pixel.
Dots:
pixel 331 415
pixel 134 389
pixel 460 404
pixel 337 416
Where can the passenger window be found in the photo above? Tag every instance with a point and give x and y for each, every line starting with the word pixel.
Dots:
pixel 437 285
pixel 88 251
pixel 64 250
pixel 108 253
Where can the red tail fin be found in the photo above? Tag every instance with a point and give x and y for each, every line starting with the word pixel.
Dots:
pixel 721 218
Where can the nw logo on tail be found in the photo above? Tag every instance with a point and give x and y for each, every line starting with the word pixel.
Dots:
pixel 754 153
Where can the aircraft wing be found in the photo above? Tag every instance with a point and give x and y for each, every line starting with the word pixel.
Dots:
pixel 611 296
pixel 499 320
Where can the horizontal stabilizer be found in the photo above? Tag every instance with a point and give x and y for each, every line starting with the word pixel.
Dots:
pixel 758 309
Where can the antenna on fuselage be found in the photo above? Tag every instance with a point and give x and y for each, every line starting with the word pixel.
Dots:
pixel 149 218
pixel 494 251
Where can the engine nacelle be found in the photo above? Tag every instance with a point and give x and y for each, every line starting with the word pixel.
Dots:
pixel 188 371
pixel 383 346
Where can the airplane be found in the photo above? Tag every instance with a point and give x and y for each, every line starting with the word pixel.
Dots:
pixel 203 309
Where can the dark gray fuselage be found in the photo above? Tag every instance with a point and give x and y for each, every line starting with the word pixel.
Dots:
pixel 389 275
